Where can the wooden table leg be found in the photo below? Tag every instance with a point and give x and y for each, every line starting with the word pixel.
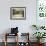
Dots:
pixel 5 40
pixel 16 41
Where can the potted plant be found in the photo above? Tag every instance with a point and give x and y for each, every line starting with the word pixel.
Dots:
pixel 39 35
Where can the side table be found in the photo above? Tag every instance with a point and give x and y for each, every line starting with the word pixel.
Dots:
pixel 8 34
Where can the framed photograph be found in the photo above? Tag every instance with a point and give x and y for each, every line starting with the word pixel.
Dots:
pixel 41 9
pixel 18 13
pixel 41 12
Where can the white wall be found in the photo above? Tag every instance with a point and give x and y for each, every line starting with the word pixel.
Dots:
pixel 24 25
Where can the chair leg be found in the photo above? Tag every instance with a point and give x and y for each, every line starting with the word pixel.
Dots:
pixel 5 43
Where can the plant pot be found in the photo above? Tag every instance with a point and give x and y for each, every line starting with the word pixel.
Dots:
pixel 40 41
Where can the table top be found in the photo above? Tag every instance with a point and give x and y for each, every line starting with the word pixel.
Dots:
pixel 9 34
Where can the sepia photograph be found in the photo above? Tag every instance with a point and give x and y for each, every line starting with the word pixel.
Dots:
pixel 18 13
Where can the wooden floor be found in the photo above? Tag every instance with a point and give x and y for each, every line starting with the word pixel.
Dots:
pixel 13 44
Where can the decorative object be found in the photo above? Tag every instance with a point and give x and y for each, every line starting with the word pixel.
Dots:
pixel 14 30
pixel 23 44
pixel 41 8
pixel 18 13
